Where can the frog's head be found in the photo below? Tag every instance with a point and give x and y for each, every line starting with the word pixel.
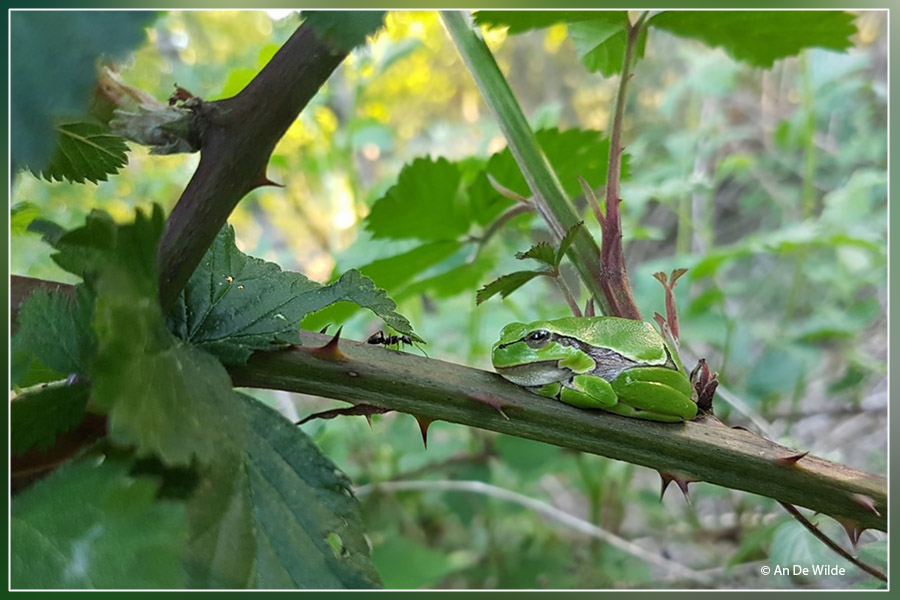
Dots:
pixel 536 353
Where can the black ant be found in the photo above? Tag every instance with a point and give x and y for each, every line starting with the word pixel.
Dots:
pixel 380 339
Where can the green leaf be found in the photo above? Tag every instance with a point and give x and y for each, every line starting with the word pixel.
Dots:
pixel 542 252
pixel 27 371
pixel 439 200
pixel 268 509
pixel 53 68
pixel 21 215
pixel 38 417
pixel 450 283
pixel 793 544
pixel 598 36
pixel 161 394
pixel 874 553
pixel 485 203
pixel 344 29
pixel 759 38
pixel 55 328
pixel 423 204
pixel 235 304
pixel 392 274
pixel 276 514
pixel 524 20
pixel 600 42
pixel 86 151
pixel 567 240
pixel 164 397
pixel 91 525
pixel 572 153
pixel 432 268
pixel 120 259
pixel 357 288
pixel 506 284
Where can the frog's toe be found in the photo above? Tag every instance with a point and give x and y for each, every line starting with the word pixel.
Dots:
pixel 551 390
pixel 637 413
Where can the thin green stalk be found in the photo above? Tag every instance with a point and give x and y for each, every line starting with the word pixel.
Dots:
pixel 549 198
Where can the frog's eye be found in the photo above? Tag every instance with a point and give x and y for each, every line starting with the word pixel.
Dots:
pixel 537 338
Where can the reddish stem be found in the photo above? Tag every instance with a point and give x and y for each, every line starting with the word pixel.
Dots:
pixel 615 278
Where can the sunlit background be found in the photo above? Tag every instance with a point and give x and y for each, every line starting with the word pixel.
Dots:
pixel 769 184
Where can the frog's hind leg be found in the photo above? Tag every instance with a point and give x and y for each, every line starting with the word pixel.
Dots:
pixel 656 393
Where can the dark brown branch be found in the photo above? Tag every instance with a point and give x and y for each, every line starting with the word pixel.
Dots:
pixel 238 137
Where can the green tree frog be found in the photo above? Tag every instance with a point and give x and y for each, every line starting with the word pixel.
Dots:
pixel 619 365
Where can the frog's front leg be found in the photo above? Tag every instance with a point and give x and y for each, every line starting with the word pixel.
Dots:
pixel 587 391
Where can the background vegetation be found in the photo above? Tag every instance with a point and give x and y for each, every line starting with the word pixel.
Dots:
pixel 768 184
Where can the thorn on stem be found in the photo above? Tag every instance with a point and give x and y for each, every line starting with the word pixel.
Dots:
pixel 493 402
pixel 263 180
pixel 505 191
pixel 367 410
pixel 681 482
pixel 666 480
pixel 330 351
pixel 853 528
pixel 790 461
pixel 592 200
pixel 866 502
pixel 424 424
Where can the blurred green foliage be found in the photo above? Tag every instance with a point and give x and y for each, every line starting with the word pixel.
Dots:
pixel 770 185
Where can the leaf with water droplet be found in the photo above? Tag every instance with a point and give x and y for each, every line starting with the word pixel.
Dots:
pixel 262 305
